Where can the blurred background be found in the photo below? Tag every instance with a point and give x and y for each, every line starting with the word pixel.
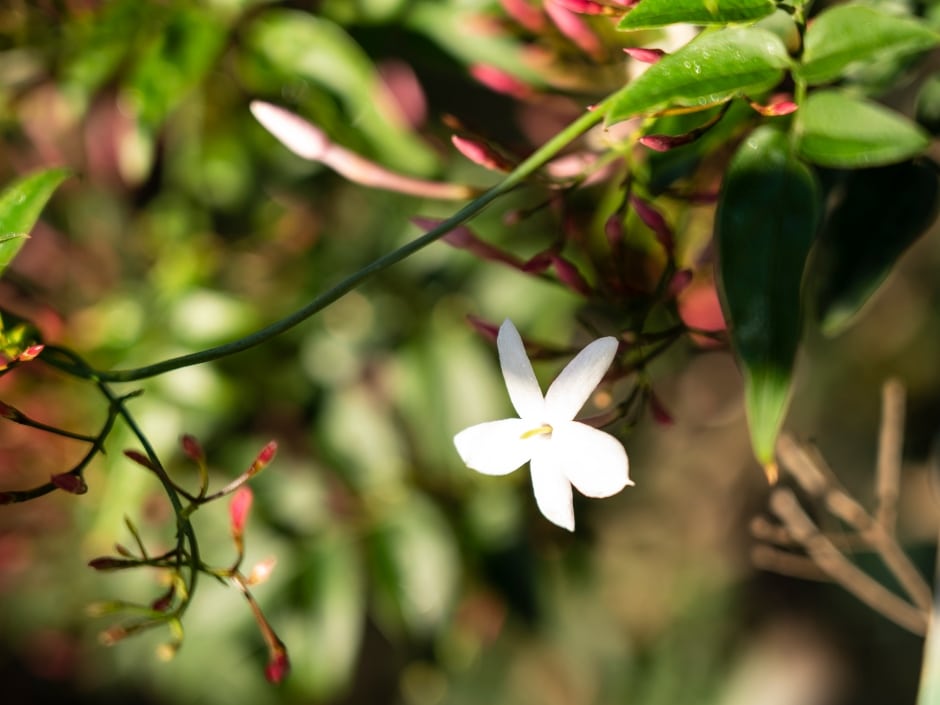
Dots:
pixel 402 576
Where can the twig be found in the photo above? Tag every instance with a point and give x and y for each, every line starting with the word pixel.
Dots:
pixel 890 444
pixel 786 507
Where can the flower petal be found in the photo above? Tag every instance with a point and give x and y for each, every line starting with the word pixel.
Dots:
pixel 574 385
pixel 521 383
pixel 495 447
pixel 551 487
pixel 593 461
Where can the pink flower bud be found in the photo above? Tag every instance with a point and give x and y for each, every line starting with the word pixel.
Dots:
pixel 655 221
pixel 501 82
pixel 585 7
pixel 69 482
pixel 192 448
pixel 525 14
pixel 644 55
pixel 574 28
pixel 238 510
pixel 780 104
pixel 481 153
pixel 30 353
pixel 569 275
pixel 663 143
pixel 263 458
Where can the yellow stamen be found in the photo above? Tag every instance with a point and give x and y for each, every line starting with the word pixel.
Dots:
pixel 543 430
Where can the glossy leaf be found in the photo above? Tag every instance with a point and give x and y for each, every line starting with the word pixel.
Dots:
pixel 20 205
pixel 880 214
pixel 711 69
pixel 767 216
pixel 852 34
pixel 659 13
pixel 837 130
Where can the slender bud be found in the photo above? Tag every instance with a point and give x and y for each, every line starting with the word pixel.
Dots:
pixel 140 459
pixel 780 104
pixel 238 511
pixel 278 666
pixel 192 448
pixel 481 153
pixel 501 82
pixel 525 14
pixel 644 55
pixel 30 353
pixel 261 571
pixel 655 221
pixel 263 458
pixel 574 28
pixel 70 482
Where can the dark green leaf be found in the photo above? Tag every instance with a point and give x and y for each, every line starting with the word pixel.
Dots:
pixel 658 13
pixel 767 216
pixel 840 131
pixel 853 34
pixel 20 205
pixel 881 212
pixel 711 69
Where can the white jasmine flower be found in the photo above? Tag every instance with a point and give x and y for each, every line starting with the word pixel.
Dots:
pixel 561 451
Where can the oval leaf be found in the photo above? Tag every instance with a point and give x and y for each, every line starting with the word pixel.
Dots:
pixel 711 69
pixel 881 213
pixel 20 205
pixel 852 34
pixel 659 13
pixel 767 215
pixel 839 131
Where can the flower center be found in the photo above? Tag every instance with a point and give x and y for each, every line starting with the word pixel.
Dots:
pixel 543 430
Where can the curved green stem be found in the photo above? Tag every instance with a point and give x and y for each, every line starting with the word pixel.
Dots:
pixel 518 175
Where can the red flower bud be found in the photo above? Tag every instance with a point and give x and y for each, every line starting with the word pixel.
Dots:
pixel 655 221
pixel 278 666
pixel 192 448
pixel 139 458
pixel 263 458
pixel 71 483
pixel 30 353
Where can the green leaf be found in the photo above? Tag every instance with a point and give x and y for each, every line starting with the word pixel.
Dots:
pixel 712 68
pixel 659 13
pixel 172 63
pixel 851 34
pixel 880 214
pixel 324 630
pixel 20 205
pixel 840 131
pixel 767 216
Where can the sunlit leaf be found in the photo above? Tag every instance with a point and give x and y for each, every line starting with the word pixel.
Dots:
pixel 881 212
pixel 415 567
pixel 713 68
pixel 325 633
pixel 850 34
pixel 658 13
pixel 837 130
pixel 20 205
pixel 767 216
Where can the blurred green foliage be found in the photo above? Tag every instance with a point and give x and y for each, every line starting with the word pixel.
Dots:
pixel 401 576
